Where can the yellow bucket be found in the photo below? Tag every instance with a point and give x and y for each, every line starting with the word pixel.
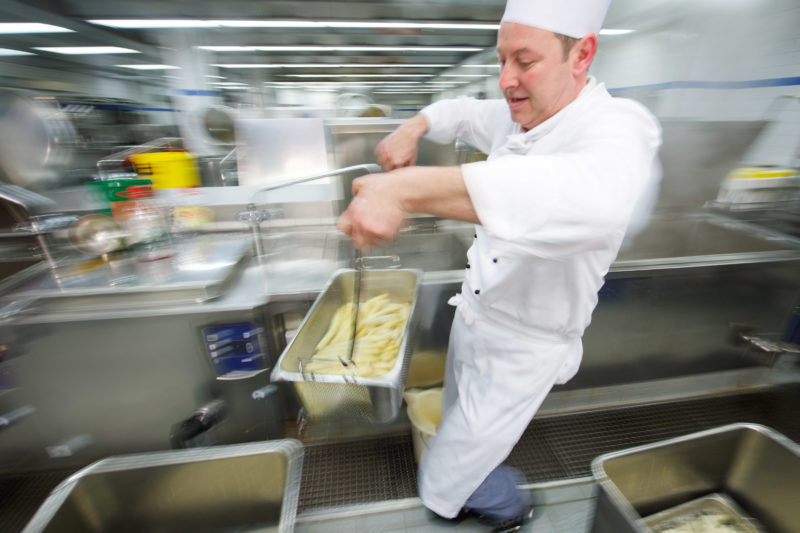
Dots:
pixel 168 170
pixel 425 412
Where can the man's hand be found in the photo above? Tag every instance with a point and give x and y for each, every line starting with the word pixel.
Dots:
pixel 376 213
pixel 382 201
pixel 399 148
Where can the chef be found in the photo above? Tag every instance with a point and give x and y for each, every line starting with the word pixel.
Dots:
pixel 567 165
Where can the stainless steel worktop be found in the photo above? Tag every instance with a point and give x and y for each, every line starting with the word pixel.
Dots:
pixel 218 271
pixel 135 363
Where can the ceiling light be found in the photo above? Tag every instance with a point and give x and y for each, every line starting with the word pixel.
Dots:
pixel 143 24
pixel 466 75
pixel 200 23
pixel 354 24
pixel 80 50
pixel 358 75
pixel 612 31
pixel 150 67
pixel 5 52
pixel 365 84
pixel 310 48
pixel 31 27
pixel 327 65
pixel 412 91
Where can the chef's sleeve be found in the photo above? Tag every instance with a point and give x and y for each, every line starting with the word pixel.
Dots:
pixel 471 120
pixel 573 201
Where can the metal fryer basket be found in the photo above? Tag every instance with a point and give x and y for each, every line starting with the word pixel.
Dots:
pixel 350 396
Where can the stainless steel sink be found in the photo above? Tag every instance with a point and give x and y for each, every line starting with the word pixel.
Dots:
pixel 294 252
pixel 688 237
pixel 755 467
pixel 429 252
pixel 240 487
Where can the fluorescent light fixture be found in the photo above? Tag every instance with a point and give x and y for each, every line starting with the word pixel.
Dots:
pixel 31 27
pixel 319 24
pixel 6 52
pixel 81 50
pixel 466 75
pixel 366 84
pixel 612 31
pixel 345 24
pixel 216 77
pixel 150 67
pixel 144 24
pixel 311 48
pixel 358 75
pixel 327 65
pixel 412 91
pixel 479 65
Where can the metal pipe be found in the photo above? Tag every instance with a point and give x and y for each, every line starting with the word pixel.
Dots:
pixel 368 168
pixel 254 217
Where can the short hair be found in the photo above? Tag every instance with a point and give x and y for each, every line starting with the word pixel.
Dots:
pixel 567 43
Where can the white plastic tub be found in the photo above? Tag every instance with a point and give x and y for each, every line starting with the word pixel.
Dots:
pixel 425 413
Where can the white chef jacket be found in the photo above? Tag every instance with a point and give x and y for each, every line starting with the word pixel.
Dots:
pixel 554 203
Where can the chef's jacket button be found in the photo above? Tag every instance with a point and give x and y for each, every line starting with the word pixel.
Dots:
pixel 477 291
pixel 467 265
pixel 474 235
pixel 494 260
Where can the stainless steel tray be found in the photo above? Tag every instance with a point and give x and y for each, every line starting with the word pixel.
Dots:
pixel 197 271
pixel 721 508
pixel 753 465
pixel 350 396
pixel 236 487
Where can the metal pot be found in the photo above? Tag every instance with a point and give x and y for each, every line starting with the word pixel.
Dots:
pixel 97 234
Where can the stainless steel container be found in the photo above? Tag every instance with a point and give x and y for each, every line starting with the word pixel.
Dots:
pixel 242 487
pixel 350 396
pixel 752 466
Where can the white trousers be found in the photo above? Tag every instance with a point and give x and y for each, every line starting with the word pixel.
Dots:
pixel 496 379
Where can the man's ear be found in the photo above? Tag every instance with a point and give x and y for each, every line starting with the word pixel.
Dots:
pixel 582 53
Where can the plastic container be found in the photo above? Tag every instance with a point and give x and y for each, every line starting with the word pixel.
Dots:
pixel 107 193
pixel 757 186
pixel 426 369
pixel 145 223
pixel 425 412
pixel 168 170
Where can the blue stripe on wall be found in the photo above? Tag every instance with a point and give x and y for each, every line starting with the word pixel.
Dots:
pixel 198 92
pixel 747 84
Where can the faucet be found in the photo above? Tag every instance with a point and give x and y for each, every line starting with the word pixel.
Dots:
pixel 201 421
pixel 254 217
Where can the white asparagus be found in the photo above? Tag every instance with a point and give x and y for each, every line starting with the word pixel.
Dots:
pixel 379 334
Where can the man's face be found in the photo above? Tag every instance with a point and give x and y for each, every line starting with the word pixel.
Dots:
pixel 535 79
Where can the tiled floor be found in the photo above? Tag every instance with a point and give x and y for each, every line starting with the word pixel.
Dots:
pixel 559 508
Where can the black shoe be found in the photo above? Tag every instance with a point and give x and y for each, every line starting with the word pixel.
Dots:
pixel 462 515
pixel 512 524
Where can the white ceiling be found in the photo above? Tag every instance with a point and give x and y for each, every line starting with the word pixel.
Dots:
pixel 73 14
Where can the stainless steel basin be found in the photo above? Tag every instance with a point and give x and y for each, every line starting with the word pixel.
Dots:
pixel 753 466
pixel 241 487
pixel 702 241
pixel 308 251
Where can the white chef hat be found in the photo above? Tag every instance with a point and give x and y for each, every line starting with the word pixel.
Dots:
pixel 574 18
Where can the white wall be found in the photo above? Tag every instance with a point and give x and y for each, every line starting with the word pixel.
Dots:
pixel 738 47
pixel 720 42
